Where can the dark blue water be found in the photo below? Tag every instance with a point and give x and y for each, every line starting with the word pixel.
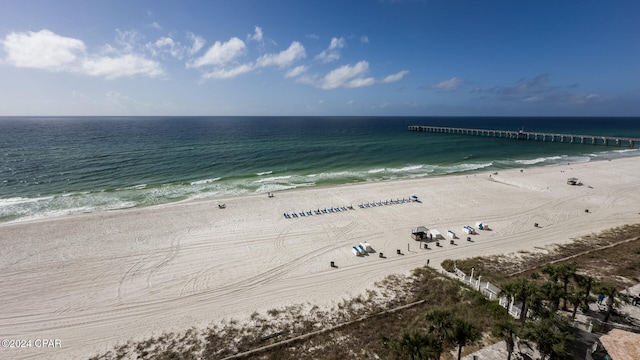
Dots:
pixel 53 166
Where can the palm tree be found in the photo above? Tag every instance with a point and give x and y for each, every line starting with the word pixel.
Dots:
pixel 523 290
pixel 463 332
pixel 563 273
pixel 441 323
pixel 550 338
pixel 566 272
pixel 506 330
pixel 551 271
pixel 552 292
pixel 414 345
pixel 610 292
pixel 586 283
pixel 575 297
pixel 507 290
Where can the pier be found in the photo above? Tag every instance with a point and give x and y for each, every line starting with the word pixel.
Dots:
pixel 536 136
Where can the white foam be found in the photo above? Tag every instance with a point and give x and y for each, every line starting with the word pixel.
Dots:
pixel 264 173
pixel 531 161
pixel 626 150
pixel 134 187
pixel 274 179
pixel 205 181
pixel 21 200
pixel 406 169
pixel 464 167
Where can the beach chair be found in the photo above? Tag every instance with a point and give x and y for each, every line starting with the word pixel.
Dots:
pixel 362 249
pixel 355 251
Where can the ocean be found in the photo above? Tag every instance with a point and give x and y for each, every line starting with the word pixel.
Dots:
pixel 52 166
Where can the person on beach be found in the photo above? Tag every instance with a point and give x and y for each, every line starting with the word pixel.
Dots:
pixel 600 299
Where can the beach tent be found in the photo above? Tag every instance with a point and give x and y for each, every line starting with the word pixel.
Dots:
pixel 436 234
pixel 419 233
pixel 451 234
pixel 355 251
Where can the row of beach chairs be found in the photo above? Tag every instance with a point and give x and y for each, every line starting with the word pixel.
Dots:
pixel 467 229
pixel 383 203
pixel 317 212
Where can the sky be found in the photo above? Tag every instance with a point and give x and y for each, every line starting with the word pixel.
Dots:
pixel 320 57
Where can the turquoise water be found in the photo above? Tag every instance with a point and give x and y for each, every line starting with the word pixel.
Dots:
pixel 53 166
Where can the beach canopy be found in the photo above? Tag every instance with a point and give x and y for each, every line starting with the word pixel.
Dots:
pixel 419 229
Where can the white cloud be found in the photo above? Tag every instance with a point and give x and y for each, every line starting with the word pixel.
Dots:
pixel 165 41
pixel 364 39
pixel 332 53
pixel 228 73
pixel 533 99
pixel 48 51
pixel 198 43
pixel 220 53
pixel 450 85
pixel 122 66
pixel 284 58
pixel 348 76
pixel 344 76
pixel 395 77
pixel 360 82
pixel 166 45
pixel 129 40
pixel 296 71
pixel 42 50
pixel 257 34
pixel 156 26
pixel 337 43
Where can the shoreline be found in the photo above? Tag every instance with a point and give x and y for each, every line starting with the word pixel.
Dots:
pixel 79 205
pixel 98 279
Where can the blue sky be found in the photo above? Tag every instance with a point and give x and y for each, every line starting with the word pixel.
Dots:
pixel 321 57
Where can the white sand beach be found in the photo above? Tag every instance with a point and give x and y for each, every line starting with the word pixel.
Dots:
pixel 100 279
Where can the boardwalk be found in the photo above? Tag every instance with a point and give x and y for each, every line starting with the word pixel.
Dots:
pixel 537 136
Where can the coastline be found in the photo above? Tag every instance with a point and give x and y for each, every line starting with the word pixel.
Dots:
pixel 98 279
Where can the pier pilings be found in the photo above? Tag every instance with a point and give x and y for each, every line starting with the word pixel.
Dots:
pixel 534 136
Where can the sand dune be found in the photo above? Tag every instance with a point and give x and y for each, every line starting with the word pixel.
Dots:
pixel 95 280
